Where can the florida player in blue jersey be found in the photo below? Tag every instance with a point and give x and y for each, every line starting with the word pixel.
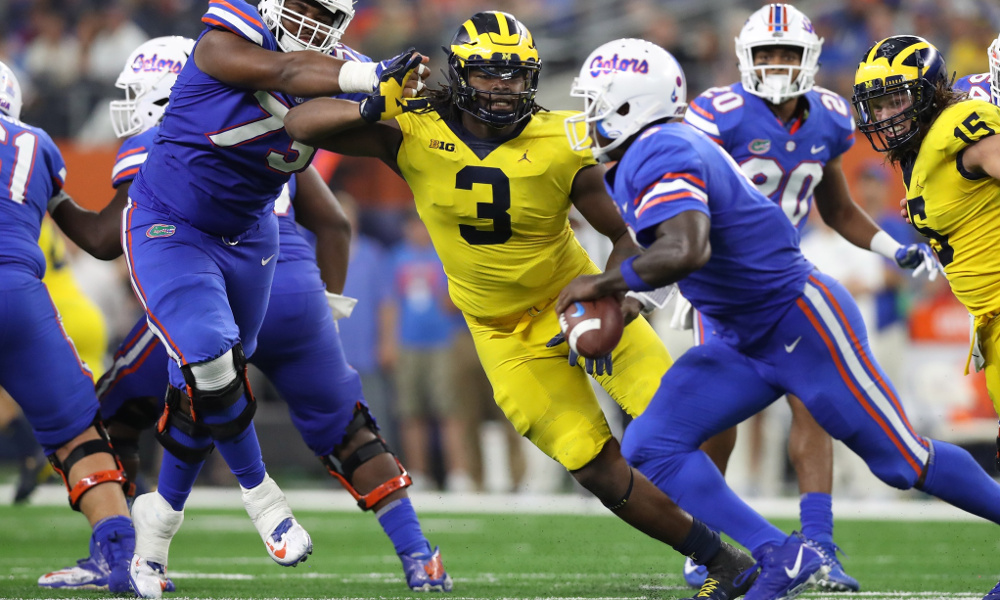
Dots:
pixel 783 326
pixel 39 367
pixel 984 86
pixel 200 238
pixel 789 137
pixel 301 350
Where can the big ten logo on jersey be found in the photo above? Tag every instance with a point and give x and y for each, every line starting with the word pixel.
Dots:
pixel 442 146
pixel 154 64
pixel 601 65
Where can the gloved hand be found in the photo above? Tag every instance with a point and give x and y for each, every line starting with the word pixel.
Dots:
pixel 593 366
pixel 342 306
pixel 920 258
pixel 399 80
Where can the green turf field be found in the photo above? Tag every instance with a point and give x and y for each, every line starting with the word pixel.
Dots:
pixel 217 554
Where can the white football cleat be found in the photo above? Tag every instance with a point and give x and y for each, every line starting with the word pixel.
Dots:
pixel 156 523
pixel 286 541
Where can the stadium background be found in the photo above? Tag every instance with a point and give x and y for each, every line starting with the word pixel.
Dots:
pixel 67 54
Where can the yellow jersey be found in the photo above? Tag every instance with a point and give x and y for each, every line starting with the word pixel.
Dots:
pixel 81 319
pixel 959 211
pixel 497 212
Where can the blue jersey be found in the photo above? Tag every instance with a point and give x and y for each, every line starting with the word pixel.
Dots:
pixel 756 266
pixel 222 153
pixel 976 86
pixel 786 164
pixel 32 171
pixel 294 244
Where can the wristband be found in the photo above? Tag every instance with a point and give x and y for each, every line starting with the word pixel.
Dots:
pixel 632 279
pixel 882 243
pixel 56 200
pixel 356 77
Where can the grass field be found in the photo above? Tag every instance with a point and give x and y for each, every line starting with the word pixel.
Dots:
pixel 217 554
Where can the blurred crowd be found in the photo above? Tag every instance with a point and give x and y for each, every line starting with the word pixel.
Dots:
pixel 69 52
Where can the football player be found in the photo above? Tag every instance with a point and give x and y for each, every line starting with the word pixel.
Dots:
pixel 493 180
pixel 39 366
pixel 984 86
pixel 300 348
pixel 788 136
pixel 200 237
pixel 784 327
pixel 949 155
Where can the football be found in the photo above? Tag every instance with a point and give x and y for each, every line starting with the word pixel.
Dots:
pixel 593 328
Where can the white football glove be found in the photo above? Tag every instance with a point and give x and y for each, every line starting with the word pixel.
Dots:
pixel 342 306
pixel 683 317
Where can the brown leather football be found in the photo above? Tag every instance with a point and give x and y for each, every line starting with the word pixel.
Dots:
pixel 593 328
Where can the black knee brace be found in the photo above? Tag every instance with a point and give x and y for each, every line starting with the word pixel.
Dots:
pixel 138 413
pixel 88 482
pixel 344 470
pixel 201 402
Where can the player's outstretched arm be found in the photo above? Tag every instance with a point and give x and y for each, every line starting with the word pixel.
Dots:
pixel 336 125
pixel 97 233
pixel 317 209
pixel 591 198
pixel 839 211
pixel 681 247
pixel 305 74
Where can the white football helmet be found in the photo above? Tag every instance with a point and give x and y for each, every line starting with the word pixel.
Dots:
pixel 10 93
pixel 321 37
pixel 629 72
pixel 994 54
pixel 149 73
pixel 778 25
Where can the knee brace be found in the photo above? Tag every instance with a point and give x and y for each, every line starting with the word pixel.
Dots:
pixel 186 411
pixel 344 470
pixel 89 482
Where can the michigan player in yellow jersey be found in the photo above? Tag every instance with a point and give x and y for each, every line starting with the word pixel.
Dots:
pixel 494 179
pixel 81 318
pixel 949 153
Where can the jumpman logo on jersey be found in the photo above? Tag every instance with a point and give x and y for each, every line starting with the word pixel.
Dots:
pixel 524 157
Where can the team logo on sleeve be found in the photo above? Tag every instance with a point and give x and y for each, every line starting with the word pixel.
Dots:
pixel 160 230
pixel 759 146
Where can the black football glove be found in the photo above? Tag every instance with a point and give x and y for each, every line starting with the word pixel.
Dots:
pixel 593 366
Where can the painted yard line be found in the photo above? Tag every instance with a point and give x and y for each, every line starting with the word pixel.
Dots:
pixel 917 509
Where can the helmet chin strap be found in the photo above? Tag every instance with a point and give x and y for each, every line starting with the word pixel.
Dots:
pixel 775 87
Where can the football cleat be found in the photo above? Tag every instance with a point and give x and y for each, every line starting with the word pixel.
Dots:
pixel 786 569
pixel 837 580
pixel 425 573
pixel 155 523
pixel 694 574
pixel 724 575
pixel 286 541
pixel 993 594
pixel 89 573
pixel 148 579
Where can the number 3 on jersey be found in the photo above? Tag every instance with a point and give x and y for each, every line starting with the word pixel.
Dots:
pixel 495 211
pixel 939 242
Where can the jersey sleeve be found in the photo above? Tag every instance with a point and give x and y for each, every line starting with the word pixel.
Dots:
pixel 53 160
pixel 670 180
pixel 715 113
pixel 842 129
pixel 238 17
pixel 966 123
pixel 131 155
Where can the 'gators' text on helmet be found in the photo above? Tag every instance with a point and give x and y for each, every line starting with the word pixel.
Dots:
pixel 623 72
pixel 147 77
